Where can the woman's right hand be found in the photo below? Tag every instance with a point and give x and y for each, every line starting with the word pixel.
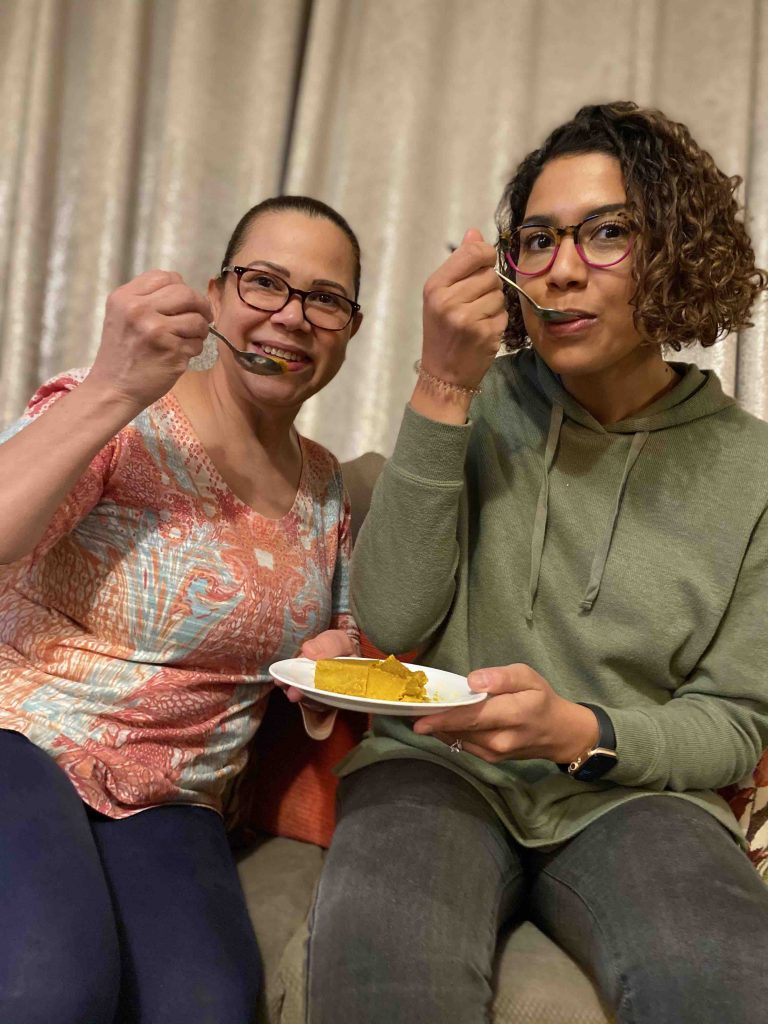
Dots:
pixel 153 326
pixel 464 314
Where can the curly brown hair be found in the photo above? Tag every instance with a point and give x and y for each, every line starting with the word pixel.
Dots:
pixel 693 264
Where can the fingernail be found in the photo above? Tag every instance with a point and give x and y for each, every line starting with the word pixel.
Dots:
pixel 480 681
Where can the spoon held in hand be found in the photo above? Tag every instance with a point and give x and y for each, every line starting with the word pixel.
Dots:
pixel 551 316
pixel 251 361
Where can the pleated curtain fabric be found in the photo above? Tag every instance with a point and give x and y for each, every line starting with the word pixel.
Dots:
pixel 135 134
pixel 137 131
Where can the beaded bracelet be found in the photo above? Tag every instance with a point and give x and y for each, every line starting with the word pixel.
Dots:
pixel 443 385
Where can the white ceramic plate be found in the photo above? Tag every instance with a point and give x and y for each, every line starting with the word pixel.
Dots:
pixel 451 689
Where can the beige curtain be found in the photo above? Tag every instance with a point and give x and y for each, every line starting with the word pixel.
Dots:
pixel 141 129
pixel 412 113
pixel 135 134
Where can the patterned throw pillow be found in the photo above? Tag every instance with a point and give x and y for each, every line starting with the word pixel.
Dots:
pixel 749 802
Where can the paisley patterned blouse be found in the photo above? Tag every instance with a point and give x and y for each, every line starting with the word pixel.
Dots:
pixel 136 638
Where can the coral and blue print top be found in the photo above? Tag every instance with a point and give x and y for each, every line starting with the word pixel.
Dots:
pixel 135 639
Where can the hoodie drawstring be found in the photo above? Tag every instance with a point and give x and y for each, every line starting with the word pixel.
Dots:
pixel 542 511
pixel 601 555
pixel 542 507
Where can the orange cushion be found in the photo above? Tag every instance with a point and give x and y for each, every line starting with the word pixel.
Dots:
pixel 288 787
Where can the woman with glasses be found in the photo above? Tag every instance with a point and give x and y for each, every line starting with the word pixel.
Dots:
pixel 587 540
pixel 166 535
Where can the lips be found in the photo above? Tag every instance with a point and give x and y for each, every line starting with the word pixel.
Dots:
pixel 567 327
pixel 581 313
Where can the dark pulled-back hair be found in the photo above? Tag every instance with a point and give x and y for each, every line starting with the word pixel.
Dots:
pixel 298 204
pixel 693 263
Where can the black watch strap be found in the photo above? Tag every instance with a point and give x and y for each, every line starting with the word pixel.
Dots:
pixel 603 754
pixel 607 734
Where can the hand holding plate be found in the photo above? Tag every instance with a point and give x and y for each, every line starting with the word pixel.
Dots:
pixel 522 718
pixel 332 643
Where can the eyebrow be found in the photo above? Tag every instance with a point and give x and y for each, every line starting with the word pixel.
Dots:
pixel 319 282
pixel 550 221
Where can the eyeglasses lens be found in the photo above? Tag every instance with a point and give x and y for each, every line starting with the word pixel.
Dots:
pixel 602 241
pixel 268 293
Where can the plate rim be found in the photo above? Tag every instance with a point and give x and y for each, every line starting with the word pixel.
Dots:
pixel 472 698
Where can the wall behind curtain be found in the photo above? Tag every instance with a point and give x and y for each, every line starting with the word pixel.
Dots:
pixel 141 129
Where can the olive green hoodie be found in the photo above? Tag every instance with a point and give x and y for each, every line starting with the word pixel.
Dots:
pixel 627 564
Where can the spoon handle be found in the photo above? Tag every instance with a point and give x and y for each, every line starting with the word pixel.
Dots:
pixel 552 316
pixel 516 286
pixel 217 333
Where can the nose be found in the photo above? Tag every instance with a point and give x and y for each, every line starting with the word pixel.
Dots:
pixel 291 316
pixel 569 270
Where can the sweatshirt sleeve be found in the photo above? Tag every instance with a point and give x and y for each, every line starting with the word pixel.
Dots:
pixel 405 559
pixel 715 728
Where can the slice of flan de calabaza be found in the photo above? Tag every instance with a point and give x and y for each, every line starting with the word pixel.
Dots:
pixel 382 680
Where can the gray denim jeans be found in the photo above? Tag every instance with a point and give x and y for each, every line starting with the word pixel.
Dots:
pixel 654 899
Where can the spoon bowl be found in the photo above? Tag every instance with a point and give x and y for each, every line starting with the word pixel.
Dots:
pixel 251 361
pixel 550 316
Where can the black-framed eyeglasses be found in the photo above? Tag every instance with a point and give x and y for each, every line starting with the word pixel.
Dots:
pixel 269 293
pixel 601 240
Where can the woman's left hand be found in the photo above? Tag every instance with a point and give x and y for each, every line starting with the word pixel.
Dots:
pixel 332 643
pixel 522 718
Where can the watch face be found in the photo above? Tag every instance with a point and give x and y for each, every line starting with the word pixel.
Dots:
pixel 595 767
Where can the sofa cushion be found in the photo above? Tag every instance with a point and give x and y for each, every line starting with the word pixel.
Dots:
pixel 537 983
pixel 278 878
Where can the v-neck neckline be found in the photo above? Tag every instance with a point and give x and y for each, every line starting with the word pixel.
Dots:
pixel 202 453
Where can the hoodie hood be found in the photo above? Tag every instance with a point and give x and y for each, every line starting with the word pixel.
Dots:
pixel 697 394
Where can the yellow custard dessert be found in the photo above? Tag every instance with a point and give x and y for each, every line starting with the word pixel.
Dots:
pixel 382 680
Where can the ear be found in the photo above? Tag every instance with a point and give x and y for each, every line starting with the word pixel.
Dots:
pixel 214 295
pixel 357 320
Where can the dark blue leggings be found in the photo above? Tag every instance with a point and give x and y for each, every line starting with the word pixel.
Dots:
pixel 103 921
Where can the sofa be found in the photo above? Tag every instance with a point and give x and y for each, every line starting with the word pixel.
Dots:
pixel 282 802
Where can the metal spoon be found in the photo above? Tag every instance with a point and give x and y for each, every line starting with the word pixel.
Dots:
pixel 251 361
pixel 550 316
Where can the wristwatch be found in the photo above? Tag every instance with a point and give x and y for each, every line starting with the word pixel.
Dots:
pixel 595 761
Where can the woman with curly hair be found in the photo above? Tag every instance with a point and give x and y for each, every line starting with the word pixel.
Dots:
pixel 588 541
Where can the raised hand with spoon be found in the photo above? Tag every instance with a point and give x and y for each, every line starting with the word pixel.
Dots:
pixel 463 321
